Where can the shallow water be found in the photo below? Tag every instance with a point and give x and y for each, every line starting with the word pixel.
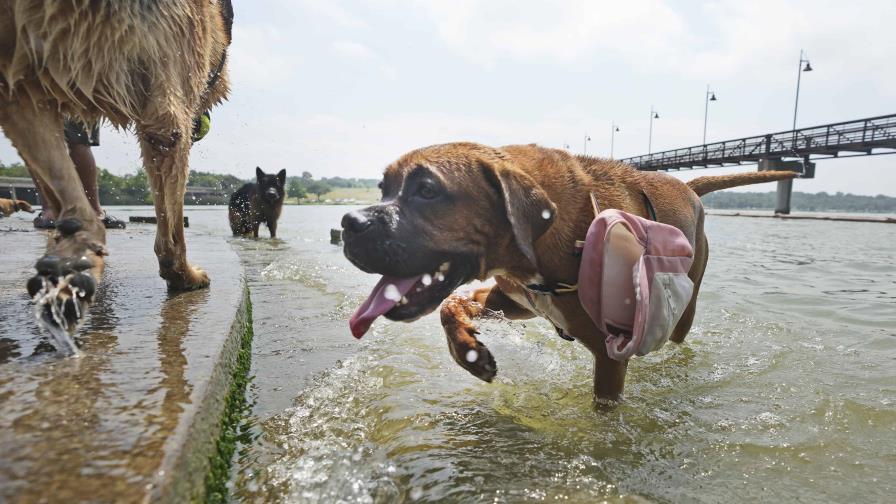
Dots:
pixel 785 388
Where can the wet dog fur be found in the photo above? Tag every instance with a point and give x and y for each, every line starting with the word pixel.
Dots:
pixel 257 203
pixel 514 213
pixel 140 65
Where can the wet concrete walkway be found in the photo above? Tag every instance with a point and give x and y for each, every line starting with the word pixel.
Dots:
pixel 136 417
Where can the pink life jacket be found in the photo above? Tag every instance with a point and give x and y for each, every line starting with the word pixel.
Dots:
pixel 633 280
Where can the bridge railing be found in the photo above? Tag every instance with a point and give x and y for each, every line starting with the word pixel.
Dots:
pixel 862 135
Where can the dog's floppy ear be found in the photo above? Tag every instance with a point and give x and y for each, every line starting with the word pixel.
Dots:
pixel 24 206
pixel 527 205
pixel 258 172
pixel 281 176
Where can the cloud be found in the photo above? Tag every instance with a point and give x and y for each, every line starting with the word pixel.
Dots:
pixel 254 58
pixel 353 50
pixel 330 9
pixel 719 39
pixel 559 32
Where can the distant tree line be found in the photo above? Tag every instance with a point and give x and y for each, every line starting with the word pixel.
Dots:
pixel 800 201
pixel 300 187
pixel 133 189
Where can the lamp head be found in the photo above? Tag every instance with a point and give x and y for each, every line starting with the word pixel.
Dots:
pixel 656 115
pixel 713 97
pixel 808 67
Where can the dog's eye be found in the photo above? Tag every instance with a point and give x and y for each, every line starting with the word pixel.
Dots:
pixel 380 185
pixel 427 190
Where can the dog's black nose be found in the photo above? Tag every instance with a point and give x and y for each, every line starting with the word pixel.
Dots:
pixel 355 222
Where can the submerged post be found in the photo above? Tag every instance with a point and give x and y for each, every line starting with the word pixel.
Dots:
pixel 805 168
pixel 785 191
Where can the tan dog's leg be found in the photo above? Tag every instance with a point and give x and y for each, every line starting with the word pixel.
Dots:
pixel 24 206
pixel 166 150
pixel 458 313
pixel 701 257
pixel 49 204
pixel 78 244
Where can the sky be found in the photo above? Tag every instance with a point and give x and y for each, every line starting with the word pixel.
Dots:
pixel 342 88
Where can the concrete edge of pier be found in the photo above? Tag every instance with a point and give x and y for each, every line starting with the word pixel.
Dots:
pixel 839 218
pixel 198 454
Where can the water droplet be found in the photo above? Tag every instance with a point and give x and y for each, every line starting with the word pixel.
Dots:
pixel 416 493
pixel 391 293
pixel 472 356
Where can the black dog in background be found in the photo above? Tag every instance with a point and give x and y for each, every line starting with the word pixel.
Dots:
pixel 258 203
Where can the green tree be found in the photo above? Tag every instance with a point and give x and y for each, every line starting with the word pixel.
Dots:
pixel 296 189
pixel 318 188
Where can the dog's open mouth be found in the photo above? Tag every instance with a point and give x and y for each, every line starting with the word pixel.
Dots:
pixel 407 299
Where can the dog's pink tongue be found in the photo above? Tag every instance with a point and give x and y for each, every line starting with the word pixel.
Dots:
pixel 384 297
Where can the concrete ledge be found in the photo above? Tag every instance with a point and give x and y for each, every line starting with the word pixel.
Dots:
pixel 139 417
pixel 834 217
pixel 202 447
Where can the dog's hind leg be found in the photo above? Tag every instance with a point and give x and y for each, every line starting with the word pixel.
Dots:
pixel 701 257
pixel 458 313
pixel 66 276
pixel 166 150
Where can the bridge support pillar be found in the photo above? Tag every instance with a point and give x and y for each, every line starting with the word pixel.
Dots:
pixel 785 187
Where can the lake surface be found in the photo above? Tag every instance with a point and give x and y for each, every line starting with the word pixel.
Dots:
pixel 785 389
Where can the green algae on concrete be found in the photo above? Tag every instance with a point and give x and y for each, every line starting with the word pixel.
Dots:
pixel 136 418
pixel 236 409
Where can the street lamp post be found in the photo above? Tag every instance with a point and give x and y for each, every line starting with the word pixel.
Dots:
pixel 799 73
pixel 613 130
pixel 653 115
pixel 710 96
pixel 585 144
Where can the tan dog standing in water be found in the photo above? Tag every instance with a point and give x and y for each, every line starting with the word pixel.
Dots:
pixel 153 66
pixel 9 207
pixel 459 212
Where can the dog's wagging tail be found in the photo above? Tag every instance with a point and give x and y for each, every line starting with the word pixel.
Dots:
pixel 706 185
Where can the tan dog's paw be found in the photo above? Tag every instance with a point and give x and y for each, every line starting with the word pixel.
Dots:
pixel 190 278
pixel 66 280
pixel 470 353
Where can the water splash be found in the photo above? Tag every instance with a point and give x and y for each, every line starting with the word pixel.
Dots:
pixel 48 310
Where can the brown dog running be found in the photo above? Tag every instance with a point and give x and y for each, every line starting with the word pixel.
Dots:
pixel 258 203
pixel 457 212
pixel 9 207
pixel 153 66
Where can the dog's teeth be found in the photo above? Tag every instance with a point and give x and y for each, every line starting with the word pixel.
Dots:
pixel 426 280
pixel 471 356
pixel 403 301
pixel 440 277
pixel 444 267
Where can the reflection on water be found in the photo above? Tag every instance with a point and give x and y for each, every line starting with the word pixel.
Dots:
pixel 95 428
pixel 785 388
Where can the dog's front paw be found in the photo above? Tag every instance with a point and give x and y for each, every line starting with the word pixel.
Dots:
pixel 470 353
pixel 62 291
pixel 185 279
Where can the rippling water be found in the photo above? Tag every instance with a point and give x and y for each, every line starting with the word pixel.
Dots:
pixel 784 390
